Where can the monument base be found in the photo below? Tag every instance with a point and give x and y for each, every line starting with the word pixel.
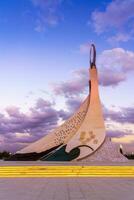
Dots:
pixel 108 152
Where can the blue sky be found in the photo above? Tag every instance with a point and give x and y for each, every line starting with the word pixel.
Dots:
pixel 44 60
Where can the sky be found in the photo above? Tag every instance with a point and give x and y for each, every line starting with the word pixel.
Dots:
pixel 44 61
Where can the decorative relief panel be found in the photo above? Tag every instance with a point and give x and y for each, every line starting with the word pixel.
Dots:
pixel 86 137
pixel 70 127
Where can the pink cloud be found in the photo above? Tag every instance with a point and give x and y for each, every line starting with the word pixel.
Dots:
pixel 118 16
pixel 47 14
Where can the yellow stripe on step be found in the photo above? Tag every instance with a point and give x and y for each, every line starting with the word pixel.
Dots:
pixel 65 171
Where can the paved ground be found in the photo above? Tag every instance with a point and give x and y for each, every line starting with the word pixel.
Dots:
pixel 43 163
pixel 66 188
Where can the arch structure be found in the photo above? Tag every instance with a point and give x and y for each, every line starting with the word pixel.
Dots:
pixel 79 136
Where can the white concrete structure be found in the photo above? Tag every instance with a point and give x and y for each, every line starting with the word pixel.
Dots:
pixel 81 135
pixel 85 130
pixel 92 131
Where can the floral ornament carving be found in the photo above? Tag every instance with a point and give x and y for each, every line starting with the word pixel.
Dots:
pixel 86 137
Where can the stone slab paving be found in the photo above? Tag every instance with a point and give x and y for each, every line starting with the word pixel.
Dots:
pixel 76 163
pixel 67 189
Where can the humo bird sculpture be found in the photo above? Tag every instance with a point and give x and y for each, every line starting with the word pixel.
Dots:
pixel 79 136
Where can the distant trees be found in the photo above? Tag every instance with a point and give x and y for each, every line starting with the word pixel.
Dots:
pixel 130 156
pixel 4 154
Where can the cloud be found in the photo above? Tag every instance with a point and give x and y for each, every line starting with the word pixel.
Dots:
pixel 118 16
pixel 18 127
pixel 79 84
pixel 119 37
pixel 124 139
pixel 47 13
pixel 109 77
pixel 117 59
pixel 74 86
pixel 41 103
pixel 124 115
pixel 73 104
pixel 112 59
pixel 116 133
pixel 114 65
pixel 119 126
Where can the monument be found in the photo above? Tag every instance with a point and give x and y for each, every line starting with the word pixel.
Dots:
pixel 80 137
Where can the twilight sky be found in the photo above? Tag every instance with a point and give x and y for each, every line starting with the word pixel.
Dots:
pixel 44 60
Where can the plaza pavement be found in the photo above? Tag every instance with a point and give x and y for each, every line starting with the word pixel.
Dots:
pixel 66 188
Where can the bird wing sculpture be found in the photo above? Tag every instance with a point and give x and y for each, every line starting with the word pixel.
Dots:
pixel 79 136
pixel 91 134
